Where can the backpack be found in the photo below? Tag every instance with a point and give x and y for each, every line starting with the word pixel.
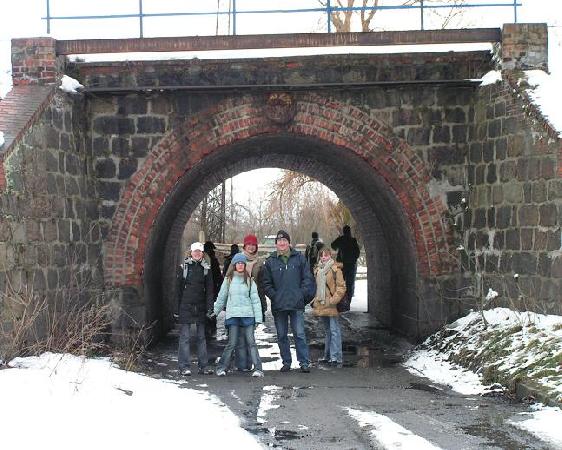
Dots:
pixel 185 270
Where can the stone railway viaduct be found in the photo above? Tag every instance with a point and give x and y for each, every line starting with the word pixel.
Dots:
pixel 96 187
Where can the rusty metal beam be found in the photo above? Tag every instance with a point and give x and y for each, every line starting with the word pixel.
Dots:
pixel 265 41
pixel 276 87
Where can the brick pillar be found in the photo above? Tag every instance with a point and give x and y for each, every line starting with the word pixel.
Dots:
pixel 525 46
pixel 34 61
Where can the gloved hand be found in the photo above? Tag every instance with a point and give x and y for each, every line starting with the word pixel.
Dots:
pixel 176 316
pixel 211 314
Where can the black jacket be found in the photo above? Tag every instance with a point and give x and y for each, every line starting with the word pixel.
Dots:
pixel 195 291
pixel 289 286
pixel 348 249
pixel 217 275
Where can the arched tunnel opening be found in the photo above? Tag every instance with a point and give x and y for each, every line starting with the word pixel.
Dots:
pixel 381 221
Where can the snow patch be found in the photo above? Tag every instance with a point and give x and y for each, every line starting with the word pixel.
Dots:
pixel 524 344
pixel 387 434
pixel 543 423
pixel 433 364
pixel 491 77
pixel 270 351
pixel 266 402
pixel 69 85
pixel 545 92
pixel 1 139
pixel 491 294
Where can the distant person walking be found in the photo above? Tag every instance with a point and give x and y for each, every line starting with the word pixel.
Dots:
pixel 234 249
pixel 195 298
pixel 330 289
pixel 348 253
pixel 311 253
pixel 243 311
pixel 288 283
pixel 209 248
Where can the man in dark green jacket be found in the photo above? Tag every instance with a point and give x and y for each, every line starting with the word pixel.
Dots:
pixel 288 283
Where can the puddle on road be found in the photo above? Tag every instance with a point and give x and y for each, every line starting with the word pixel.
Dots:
pixel 277 434
pixel 368 356
pixel 425 387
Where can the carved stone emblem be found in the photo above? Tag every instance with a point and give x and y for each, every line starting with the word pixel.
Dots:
pixel 280 108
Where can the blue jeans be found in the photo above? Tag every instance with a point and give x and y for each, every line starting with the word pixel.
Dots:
pixel 332 341
pixel 243 356
pixel 184 353
pixel 281 319
pixel 250 343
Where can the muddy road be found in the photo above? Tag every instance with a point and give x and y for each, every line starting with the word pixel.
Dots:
pixel 322 409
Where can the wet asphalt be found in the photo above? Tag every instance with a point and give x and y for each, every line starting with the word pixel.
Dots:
pixel 297 410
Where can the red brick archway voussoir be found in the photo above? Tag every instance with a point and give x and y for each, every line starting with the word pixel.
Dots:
pixel 317 117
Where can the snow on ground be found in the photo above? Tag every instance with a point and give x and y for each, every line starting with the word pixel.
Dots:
pixel 512 344
pixel 359 301
pixel 91 404
pixel 433 364
pixel 268 348
pixel 544 423
pixel 387 434
pixel 527 340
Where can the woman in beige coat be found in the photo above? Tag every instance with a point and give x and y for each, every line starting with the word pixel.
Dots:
pixel 330 289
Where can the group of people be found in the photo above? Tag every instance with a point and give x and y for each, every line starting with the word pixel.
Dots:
pixel 288 278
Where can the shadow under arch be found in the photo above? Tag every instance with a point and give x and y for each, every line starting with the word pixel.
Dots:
pixel 381 178
pixel 388 236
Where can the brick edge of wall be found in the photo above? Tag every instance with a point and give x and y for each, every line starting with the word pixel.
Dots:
pixel 33 119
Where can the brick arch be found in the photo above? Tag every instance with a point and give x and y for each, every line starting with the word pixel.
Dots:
pixel 236 120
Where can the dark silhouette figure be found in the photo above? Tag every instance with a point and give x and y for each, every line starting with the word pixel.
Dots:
pixel 211 325
pixel 311 253
pixel 348 253
pixel 234 249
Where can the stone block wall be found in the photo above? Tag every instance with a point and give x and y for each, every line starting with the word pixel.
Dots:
pixel 122 130
pixel 49 239
pixel 514 214
pixel 436 123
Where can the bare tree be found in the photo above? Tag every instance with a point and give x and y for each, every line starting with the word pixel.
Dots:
pixel 210 215
pixel 302 204
pixel 342 20
pixel 295 202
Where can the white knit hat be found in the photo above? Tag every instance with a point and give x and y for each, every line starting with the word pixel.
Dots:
pixel 197 246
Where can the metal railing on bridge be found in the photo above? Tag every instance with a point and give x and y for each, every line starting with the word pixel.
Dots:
pixel 234 11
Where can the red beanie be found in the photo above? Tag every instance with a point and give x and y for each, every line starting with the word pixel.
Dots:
pixel 251 240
